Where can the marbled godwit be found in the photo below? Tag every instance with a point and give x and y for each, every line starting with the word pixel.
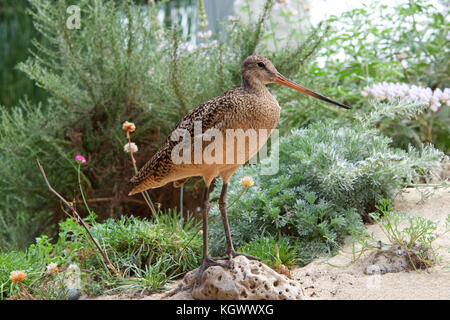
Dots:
pixel 250 106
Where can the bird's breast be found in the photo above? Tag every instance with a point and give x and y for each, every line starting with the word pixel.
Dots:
pixel 263 114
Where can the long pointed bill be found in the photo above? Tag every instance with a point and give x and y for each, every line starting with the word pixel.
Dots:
pixel 291 84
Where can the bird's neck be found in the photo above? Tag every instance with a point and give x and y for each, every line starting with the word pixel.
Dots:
pixel 253 85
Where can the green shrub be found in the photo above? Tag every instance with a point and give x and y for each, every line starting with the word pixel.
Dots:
pixel 403 43
pixel 121 65
pixel 148 255
pixel 273 252
pixel 27 133
pixel 329 177
pixel 412 235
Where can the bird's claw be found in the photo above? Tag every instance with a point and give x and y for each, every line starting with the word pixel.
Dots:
pixel 208 262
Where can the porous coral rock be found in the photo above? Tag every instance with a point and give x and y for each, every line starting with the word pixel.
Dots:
pixel 246 280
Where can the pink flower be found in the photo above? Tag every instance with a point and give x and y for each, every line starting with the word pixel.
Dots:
pixel 80 159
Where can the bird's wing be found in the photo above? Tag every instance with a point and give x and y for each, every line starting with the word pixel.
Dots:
pixel 211 114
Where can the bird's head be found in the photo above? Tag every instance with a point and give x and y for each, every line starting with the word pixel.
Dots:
pixel 258 70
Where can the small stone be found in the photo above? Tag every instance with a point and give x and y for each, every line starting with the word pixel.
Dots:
pixel 282 269
pixel 73 294
pixel 372 269
pixel 386 268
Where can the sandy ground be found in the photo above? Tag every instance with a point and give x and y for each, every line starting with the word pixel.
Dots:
pixel 321 280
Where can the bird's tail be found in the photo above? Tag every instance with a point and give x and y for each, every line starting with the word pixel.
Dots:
pixel 140 185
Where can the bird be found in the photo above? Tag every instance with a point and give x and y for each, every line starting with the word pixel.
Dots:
pixel 248 108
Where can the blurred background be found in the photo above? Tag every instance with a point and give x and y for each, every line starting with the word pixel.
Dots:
pixel 17 30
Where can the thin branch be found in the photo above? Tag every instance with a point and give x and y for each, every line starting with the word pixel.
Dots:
pixel 79 220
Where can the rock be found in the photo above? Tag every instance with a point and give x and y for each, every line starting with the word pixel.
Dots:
pixel 282 269
pixel 373 269
pixel 246 280
pixel 72 282
pixel 73 294
pixel 385 261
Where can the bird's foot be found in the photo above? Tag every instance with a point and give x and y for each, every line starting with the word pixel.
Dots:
pixel 208 262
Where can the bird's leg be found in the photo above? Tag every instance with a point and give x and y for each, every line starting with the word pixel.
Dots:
pixel 207 261
pixel 223 212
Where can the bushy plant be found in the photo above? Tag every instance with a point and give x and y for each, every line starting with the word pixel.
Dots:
pixel 148 255
pixel 411 235
pixel 272 251
pixel 376 43
pixel 329 177
pixel 27 133
pixel 120 65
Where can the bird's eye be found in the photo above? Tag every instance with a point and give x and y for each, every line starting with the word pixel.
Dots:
pixel 261 65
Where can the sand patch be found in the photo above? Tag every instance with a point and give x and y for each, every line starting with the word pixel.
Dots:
pixel 323 281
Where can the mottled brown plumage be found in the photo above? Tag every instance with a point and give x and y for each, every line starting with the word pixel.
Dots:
pixel 250 106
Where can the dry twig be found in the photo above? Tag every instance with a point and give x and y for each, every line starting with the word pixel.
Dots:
pixel 79 220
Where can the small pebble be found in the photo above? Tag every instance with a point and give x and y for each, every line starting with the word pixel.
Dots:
pixel 372 269
pixel 73 294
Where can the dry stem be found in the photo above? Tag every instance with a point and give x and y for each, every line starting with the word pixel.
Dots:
pixel 26 291
pixel 79 220
pixel 136 171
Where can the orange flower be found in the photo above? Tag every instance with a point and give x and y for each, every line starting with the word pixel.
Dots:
pixel 17 276
pixel 247 181
pixel 128 126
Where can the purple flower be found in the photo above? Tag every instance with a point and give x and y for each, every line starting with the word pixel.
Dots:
pixel 80 159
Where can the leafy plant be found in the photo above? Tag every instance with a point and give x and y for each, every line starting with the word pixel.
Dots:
pixel 121 65
pixel 27 133
pixel 329 177
pixel 402 43
pixel 148 255
pixel 418 231
pixel 410 235
pixel 272 251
